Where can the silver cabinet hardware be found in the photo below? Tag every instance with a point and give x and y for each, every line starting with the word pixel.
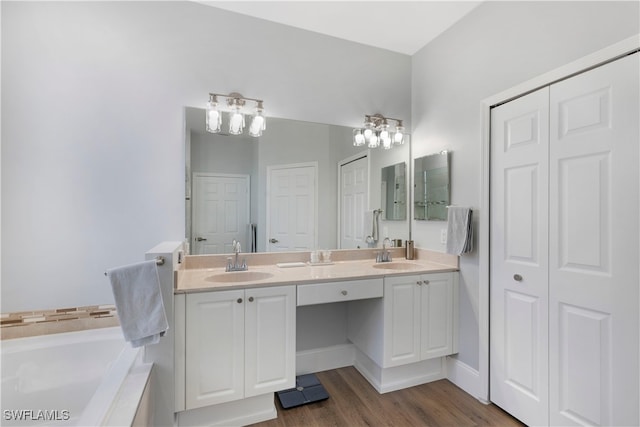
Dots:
pixel 250 299
pixel 419 282
pixel 344 292
pixel 517 278
pixel 425 282
pixel 239 300
pixel 200 239
pixel 272 240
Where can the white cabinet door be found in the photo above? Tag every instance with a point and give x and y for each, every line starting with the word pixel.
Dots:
pixel 420 318
pixel 270 350
pixel 239 344
pixel 437 315
pixel 401 320
pixel 214 359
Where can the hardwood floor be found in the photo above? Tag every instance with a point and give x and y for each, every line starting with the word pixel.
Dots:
pixel 354 402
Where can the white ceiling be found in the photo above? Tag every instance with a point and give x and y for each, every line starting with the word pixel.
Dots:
pixel 399 26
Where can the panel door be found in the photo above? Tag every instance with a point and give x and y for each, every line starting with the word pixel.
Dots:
pixel 214 357
pixel 401 320
pixel 291 208
pixel 354 202
pixel 220 213
pixel 270 333
pixel 436 313
pixel 519 260
pixel 594 246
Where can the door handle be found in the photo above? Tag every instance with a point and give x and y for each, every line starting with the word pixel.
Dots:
pixel 200 239
pixel 272 240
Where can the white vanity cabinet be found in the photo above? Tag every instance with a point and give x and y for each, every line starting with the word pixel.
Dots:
pixel 238 344
pixel 415 321
pixel 420 317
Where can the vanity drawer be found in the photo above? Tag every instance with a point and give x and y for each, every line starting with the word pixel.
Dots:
pixel 321 293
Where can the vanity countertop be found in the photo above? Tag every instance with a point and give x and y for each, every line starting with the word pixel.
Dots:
pixel 209 279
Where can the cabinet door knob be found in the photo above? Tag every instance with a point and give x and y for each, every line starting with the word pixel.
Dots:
pixel 425 282
pixel 517 278
pixel 250 299
pixel 344 292
pixel 273 240
pixel 239 300
pixel 419 282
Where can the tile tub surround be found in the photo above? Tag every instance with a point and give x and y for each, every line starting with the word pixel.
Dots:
pixel 43 322
pixel 194 273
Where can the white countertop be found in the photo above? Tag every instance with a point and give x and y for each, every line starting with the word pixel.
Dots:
pixel 209 279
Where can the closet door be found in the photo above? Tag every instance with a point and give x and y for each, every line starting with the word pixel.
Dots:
pixel 593 247
pixel 519 257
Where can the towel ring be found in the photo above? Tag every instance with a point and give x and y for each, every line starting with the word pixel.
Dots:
pixel 159 261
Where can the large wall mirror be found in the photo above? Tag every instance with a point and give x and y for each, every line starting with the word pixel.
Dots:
pixel 299 186
pixel 431 187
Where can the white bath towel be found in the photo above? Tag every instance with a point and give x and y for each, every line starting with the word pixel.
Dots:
pixel 138 298
pixel 459 230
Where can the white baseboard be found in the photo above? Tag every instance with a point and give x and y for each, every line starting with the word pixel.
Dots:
pixel 465 377
pixel 323 359
pixel 242 412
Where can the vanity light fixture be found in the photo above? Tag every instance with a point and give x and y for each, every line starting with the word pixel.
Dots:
pixel 376 132
pixel 235 108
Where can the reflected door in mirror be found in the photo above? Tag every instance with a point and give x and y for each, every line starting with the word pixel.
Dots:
pixel 291 207
pixel 394 192
pixel 220 212
pixel 354 200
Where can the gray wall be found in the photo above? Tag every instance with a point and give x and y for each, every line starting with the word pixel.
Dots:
pixel 495 47
pixel 93 134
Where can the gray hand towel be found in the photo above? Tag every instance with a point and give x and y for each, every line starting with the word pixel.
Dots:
pixel 138 299
pixel 459 230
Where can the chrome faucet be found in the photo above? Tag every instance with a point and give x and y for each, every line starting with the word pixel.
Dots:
pixel 385 255
pixel 236 266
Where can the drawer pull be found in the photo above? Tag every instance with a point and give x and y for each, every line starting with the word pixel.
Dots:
pixel 517 278
pixel 344 292
pixel 239 300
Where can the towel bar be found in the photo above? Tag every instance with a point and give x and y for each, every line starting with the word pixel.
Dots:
pixel 159 261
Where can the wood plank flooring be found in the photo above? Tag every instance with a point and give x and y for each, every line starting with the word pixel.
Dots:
pixel 354 402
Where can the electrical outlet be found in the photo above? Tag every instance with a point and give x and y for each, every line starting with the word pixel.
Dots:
pixel 443 236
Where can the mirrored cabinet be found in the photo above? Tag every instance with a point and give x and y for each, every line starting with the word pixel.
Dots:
pixel 431 187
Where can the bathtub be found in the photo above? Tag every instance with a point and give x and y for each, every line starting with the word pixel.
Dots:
pixel 85 378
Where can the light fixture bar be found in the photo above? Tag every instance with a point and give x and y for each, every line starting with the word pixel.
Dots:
pixel 235 104
pixel 377 133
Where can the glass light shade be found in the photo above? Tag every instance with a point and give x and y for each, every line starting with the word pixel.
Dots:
pixel 368 131
pixel 398 137
pixel 374 141
pixel 213 117
pixel 358 138
pixel 236 123
pixel 384 132
pixel 386 142
pixel 258 124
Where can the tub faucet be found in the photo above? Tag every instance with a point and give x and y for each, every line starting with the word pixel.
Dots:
pixel 385 255
pixel 236 266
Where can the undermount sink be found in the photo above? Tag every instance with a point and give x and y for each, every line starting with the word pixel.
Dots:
pixel 397 266
pixel 239 276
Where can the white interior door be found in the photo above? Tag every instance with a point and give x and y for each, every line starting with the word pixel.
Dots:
pixel 593 274
pixel 220 212
pixel 519 257
pixel 354 202
pixel 292 207
pixel 565 333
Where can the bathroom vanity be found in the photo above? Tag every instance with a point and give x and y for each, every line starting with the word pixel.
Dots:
pixel 239 334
